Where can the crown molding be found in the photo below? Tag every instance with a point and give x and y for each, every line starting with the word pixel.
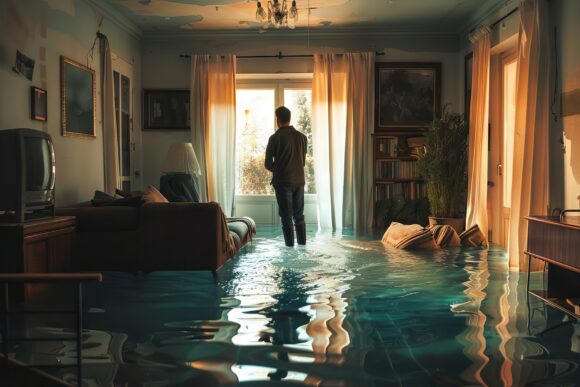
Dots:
pixel 116 18
pixel 302 33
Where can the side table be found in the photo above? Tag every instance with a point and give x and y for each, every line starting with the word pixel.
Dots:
pixel 37 246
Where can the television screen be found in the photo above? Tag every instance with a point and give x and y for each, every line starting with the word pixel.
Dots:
pixel 38 163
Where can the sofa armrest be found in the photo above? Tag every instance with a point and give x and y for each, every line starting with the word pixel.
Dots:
pixel 183 236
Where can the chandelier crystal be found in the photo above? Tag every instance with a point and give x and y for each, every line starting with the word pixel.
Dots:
pixel 277 14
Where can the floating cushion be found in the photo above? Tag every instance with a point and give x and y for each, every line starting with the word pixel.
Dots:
pixel 445 236
pixel 473 237
pixel 411 236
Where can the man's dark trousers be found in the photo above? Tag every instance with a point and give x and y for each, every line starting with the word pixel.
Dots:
pixel 291 205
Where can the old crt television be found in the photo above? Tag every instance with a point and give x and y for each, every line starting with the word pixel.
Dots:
pixel 26 174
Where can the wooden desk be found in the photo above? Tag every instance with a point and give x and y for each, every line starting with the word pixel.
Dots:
pixel 557 243
pixel 37 246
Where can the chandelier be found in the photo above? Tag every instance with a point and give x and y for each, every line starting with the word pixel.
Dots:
pixel 277 14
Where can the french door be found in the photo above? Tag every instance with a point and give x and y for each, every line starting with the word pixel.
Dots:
pixel 505 100
pixel 256 101
pixel 509 68
pixel 122 77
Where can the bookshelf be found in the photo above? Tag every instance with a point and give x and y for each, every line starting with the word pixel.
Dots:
pixel 395 174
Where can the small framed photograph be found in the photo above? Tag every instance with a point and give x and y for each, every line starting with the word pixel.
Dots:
pixel 38 110
pixel 77 99
pixel 166 109
pixel 408 95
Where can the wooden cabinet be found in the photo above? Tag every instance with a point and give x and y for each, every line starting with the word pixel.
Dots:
pixel 38 246
pixel 395 174
pixel 557 242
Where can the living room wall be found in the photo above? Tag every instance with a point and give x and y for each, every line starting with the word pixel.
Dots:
pixel 44 30
pixel 567 159
pixel 163 68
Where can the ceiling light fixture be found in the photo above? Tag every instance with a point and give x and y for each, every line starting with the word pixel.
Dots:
pixel 277 14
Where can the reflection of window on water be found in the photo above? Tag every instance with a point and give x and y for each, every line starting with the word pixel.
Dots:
pixel 255 124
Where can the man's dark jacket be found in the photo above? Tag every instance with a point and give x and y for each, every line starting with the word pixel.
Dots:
pixel 286 156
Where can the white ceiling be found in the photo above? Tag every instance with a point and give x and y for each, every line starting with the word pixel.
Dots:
pixel 441 16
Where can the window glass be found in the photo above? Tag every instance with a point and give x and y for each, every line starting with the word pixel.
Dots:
pixel 509 120
pixel 254 125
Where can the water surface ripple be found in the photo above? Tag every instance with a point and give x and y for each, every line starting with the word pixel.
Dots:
pixel 342 311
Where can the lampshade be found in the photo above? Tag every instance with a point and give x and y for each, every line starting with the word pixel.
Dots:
pixel 181 159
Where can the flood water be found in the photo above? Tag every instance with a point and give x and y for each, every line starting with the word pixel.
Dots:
pixel 342 311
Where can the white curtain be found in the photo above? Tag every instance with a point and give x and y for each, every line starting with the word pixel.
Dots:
pixel 343 120
pixel 530 173
pixel 477 174
pixel 213 126
pixel 110 139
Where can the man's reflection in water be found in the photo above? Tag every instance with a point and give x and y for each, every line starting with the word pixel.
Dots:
pixel 286 317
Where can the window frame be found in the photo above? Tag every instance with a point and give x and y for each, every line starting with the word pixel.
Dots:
pixel 278 84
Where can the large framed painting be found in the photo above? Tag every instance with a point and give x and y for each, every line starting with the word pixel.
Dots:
pixel 77 99
pixel 408 95
pixel 166 109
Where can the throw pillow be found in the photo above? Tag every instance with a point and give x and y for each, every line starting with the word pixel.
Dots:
pixel 103 196
pixel 152 195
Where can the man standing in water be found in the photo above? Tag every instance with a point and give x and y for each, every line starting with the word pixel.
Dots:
pixel 285 158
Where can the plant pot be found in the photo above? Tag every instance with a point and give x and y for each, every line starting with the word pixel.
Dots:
pixel 458 224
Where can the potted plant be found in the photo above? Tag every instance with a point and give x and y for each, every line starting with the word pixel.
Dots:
pixel 443 166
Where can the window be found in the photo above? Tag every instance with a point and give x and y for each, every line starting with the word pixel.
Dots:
pixel 509 120
pixel 256 122
pixel 122 78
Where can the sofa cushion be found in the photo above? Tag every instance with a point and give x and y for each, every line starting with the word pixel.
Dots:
pixel 244 227
pixel 240 229
pixel 115 218
pixel 130 202
pixel 237 240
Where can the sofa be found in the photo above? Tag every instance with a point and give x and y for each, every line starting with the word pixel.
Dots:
pixel 155 236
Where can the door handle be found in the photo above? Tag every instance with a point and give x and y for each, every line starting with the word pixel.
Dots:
pixel 499 170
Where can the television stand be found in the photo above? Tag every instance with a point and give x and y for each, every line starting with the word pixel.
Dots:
pixel 37 246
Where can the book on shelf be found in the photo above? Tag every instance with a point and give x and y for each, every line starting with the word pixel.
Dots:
pixel 396 169
pixel 416 145
pixel 407 190
pixel 387 146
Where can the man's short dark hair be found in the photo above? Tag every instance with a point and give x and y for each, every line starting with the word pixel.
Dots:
pixel 283 115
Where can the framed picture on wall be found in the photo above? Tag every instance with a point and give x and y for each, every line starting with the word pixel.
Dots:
pixel 38 110
pixel 166 109
pixel 408 95
pixel 77 99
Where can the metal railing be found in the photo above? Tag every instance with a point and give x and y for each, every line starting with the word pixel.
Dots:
pixel 26 278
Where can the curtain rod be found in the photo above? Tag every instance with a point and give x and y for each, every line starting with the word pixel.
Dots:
pixel 279 56
pixel 504 17
pixel 495 23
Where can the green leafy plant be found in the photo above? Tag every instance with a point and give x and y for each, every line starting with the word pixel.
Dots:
pixel 403 211
pixel 443 165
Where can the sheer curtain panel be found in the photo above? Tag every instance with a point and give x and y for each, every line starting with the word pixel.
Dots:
pixel 213 126
pixel 343 120
pixel 110 140
pixel 478 132
pixel 530 163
